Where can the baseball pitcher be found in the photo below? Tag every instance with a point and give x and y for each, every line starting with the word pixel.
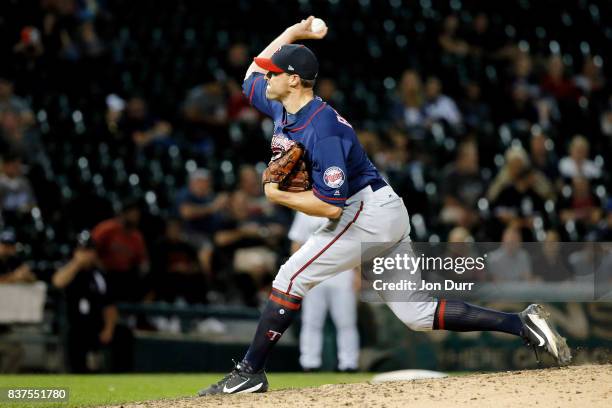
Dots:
pixel 319 168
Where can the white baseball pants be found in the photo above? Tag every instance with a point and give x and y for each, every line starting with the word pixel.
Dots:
pixel 369 216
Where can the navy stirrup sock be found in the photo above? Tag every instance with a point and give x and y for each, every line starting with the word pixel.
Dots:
pixel 456 315
pixel 279 312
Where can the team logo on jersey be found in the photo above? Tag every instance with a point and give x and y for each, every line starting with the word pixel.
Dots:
pixel 273 335
pixel 333 177
pixel 279 145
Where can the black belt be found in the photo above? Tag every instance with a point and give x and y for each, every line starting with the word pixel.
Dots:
pixel 378 184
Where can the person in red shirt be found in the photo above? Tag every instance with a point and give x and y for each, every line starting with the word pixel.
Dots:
pixel 123 253
pixel 556 83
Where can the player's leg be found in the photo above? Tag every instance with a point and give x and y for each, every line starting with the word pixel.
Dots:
pixel 532 324
pixel 455 315
pixel 332 249
pixel 343 310
pixel 314 311
pixel 327 252
pixel 368 217
pixel 422 312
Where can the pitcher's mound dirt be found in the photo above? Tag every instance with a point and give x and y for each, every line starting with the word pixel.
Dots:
pixel 581 386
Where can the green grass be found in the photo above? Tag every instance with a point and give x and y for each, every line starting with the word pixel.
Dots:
pixel 92 390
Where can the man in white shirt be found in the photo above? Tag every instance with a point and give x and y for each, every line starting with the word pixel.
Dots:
pixel 578 162
pixel 440 106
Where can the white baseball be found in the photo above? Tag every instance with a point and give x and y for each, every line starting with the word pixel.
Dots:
pixel 317 25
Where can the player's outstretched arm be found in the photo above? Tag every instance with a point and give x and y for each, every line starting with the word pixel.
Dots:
pixel 296 32
pixel 304 201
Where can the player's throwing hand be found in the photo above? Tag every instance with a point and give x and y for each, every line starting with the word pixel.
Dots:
pixel 303 31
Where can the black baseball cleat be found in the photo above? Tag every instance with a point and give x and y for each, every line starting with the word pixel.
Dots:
pixel 538 331
pixel 237 382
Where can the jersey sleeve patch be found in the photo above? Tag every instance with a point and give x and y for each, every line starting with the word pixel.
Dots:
pixel 334 177
pixel 329 173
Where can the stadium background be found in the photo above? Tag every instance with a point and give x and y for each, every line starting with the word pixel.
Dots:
pixel 113 105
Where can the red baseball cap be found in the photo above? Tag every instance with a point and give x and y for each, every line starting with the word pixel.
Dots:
pixel 292 59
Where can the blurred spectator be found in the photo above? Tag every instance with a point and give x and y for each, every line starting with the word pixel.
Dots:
pixel 90 44
pixel 121 248
pixel 140 126
pixel 516 163
pixel 460 235
pixel 556 83
pixel 327 89
pixel 462 185
pixel 16 193
pixel 551 264
pixel 582 206
pixel 521 113
pixel 238 107
pixel 176 268
pixel 238 60
pixel 25 141
pixel 249 190
pixel 522 74
pixel 476 112
pixel 249 203
pixel 199 207
pixel 578 162
pixel 518 194
pixel 206 111
pixel 92 316
pixel 30 45
pixel 391 157
pixel 591 79
pixel 13 269
pixel 543 156
pixel 510 262
pixel 440 107
pixel 449 39
pixel 115 106
pixel 9 102
pixel 407 112
pixel 480 38
pixel 519 203
pixel 605 121
pixel 406 169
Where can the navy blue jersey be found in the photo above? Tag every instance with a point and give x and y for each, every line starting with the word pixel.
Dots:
pixel 338 165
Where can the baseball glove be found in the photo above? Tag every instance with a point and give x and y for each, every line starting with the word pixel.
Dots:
pixel 298 180
pixel 288 170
